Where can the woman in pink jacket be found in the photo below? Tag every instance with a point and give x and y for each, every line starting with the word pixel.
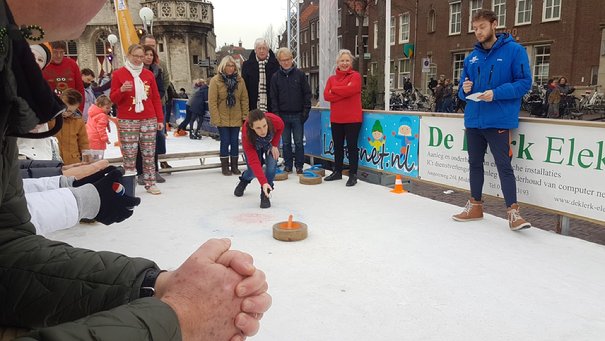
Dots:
pixel 343 91
pixel 96 126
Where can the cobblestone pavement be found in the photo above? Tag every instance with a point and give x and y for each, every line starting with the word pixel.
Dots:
pixel 537 217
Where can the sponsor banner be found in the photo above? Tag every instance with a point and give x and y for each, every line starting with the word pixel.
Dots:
pixel 128 35
pixel 560 167
pixel 386 142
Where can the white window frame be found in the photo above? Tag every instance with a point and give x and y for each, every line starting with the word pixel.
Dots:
pixel 365 21
pixel 404 31
pixel 458 64
pixel 499 7
pixel 393 31
pixel 403 72
pixel 375 35
pixel 473 6
pixel 431 22
pixel 525 11
pixel 373 68
pixel 312 31
pixel 312 55
pixel 339 20
pixel 541 70
pixel 365 45
pixel 455 18
pixel 392 76
pixel 339 40
pixel 551 6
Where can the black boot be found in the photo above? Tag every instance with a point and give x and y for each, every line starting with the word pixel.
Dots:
pixel 225 165
pixel 352 180
pixel 264 200
pixel 240 188
pixel 334 176
pixel 192 134
pixel 234 169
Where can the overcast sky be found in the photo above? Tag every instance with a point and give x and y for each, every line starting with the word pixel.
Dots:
pixel 247 20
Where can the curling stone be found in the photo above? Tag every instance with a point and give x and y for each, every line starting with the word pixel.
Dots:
pixel 309 178
pixel 290 231
pixel 280 175
pixel 317 169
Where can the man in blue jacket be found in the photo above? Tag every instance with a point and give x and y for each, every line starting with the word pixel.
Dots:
pixel 291 100
pixel 498 71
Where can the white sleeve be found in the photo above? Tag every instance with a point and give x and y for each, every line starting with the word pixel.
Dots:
pixel 52 210
pixel 31 185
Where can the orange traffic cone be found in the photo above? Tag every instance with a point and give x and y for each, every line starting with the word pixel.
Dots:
pixel 398 186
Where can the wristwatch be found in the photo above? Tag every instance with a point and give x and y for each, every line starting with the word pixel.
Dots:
pixel 148 285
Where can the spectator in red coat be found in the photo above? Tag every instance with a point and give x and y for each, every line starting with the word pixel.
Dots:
pixel 63 73
pixel 261 133
pixel 343 91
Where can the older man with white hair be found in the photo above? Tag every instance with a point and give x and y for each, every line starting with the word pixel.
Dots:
pixel 257 72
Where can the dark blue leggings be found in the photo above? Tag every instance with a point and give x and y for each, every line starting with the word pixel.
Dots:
pixel 498 141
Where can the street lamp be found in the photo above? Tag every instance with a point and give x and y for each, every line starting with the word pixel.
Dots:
pixel 146 15
pixel 112 39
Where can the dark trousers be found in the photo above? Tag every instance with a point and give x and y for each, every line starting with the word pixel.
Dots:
pixel 498 141
pixel 293 128
pixel 350 132
pixel 229 141
pixel 188 114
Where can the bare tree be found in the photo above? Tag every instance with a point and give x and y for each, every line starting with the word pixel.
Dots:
pixel 360 10
pixel 271 37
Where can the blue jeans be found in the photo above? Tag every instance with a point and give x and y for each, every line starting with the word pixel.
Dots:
pixel 293 127
pixel 270 167
pixel 229 141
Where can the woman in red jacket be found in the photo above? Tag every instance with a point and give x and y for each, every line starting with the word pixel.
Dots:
pixel 135 93
pixel 343 91
pixel 261 133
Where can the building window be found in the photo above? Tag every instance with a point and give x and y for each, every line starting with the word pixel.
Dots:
pixel 160 47
pixel 541 64
pixel 392 31
pixel 312 55
pixel 365 44
pixel 552 10
pixel 196 59
pixel 473 6
pixel 404 28
pixel 365 21
pixel 72 49
pixel 375 34
pixel 403 71
pixel 455 18
pixel 339 19
pixel 312 31
pixel 458 65
pixel 499 7
pixel 373 68
pixel 594 75
pixel 431 22
pixel 392 76
pixel 339 38
pixel 523 15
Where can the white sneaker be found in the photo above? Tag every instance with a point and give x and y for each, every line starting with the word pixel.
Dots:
pixel 153 190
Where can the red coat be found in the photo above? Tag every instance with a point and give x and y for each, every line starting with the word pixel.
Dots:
pixel 252 153
pixel 96 127
pixel 125 100
pixel 63 76
pixel 343 91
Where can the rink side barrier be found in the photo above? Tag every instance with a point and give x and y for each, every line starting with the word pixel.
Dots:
pixel 559 164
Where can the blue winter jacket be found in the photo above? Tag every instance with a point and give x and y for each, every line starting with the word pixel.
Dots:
pixel 504 69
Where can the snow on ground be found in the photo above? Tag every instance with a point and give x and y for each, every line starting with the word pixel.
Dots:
pixel 376 265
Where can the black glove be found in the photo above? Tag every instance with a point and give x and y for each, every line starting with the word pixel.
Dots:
pixel 114 207
pixel 92 178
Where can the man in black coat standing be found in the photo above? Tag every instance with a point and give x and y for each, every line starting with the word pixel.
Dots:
pixel 291 100
pixel 257 72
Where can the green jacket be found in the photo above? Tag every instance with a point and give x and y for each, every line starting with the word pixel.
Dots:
pixel 62 292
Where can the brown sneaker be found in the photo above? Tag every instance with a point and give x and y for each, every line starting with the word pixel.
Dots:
pixel 472 211
pixel 515 221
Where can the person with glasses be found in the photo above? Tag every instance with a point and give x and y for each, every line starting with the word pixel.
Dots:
pixel 135 93
pixel 228 105
pixel 291 100
pixel 62 72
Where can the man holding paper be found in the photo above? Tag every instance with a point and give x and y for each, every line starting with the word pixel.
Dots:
pixel 495 77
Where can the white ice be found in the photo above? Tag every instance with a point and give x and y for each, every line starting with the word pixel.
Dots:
pixel 376 265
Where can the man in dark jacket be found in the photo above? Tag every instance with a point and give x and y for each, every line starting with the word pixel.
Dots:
pixel 257 72
pixel 67 293
pixel 291 100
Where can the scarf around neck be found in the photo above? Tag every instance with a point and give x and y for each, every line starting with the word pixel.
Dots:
pixel 262 85
pixel 139 87
pixel 231 83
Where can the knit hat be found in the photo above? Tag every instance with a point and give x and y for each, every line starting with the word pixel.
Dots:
pixel 41 54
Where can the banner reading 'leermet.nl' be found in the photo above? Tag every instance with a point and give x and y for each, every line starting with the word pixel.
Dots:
pixel 561 167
